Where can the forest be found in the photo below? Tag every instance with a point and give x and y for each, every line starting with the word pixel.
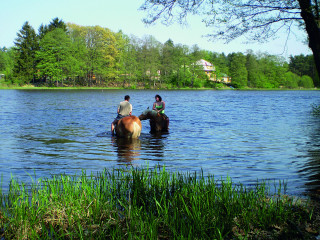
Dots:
pixel 68 55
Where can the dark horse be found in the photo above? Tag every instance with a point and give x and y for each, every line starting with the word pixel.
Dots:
pixel 158 122
pixel 128 127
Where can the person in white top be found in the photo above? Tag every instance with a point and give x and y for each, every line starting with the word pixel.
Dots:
pixel 124 109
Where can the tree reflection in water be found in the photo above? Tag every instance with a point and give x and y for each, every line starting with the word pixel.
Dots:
pixel 311 168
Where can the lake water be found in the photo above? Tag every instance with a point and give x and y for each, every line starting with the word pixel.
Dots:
pixel 246 135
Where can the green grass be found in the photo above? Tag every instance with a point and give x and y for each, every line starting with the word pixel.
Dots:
pixel 147 204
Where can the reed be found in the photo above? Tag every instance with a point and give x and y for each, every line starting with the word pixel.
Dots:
pixel 145 204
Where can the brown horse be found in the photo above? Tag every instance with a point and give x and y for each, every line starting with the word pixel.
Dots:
pixel 158 122
pixel 128 127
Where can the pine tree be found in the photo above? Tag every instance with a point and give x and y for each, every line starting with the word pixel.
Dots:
pixel 54 24
pixel 26 46
pixel 238 71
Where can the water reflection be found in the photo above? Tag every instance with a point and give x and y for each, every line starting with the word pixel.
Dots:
pixel 311 168
pixel 154 145
pixel 127 149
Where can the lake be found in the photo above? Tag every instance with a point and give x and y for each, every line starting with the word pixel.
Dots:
pixel 246 135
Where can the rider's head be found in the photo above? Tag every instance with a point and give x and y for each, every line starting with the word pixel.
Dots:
pixel 158 96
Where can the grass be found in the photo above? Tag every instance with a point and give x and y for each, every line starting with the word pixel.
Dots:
pixel 151 204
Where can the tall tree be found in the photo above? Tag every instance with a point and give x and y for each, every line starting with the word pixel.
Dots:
pixel 220 61
pixel 273 69
pixel 167 59
pixel 26 46
pixel 102 53
pixel 57 23
pixel 127 59
pixel 54 55
pixel 7 62
pixel 149 60
pixel 252 66
pixel 258 20
pixel 304 65
pixel 77 68
pixel 2 60
pixel 238 71
pixel 54 24
pixel 183 62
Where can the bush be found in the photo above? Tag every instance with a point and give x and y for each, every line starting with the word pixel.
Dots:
pixel 291 80
pixel 306 82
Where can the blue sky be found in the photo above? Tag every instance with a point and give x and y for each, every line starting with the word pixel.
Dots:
pixel 124 15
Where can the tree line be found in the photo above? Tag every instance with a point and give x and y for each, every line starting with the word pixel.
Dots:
pixel 61 54
pixel 256 20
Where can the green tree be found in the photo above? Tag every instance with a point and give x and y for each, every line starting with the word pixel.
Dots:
pixel 181 75
pixel 26 46
pixel 221 63
pixel 257 20
pixel 273 68
pixel 7 62
pixel 238 70
pixel 57 23
pixel 54 56
pixel 122 42
pixel 292 80
pixel 184 61
pixel 306 82
pixel 252 66
pixel 304 65
pixel 77 67
pixel 54 24
pixel 2 60
pixel 102 54
pixel 167 60
pixel 149 61
pixel 131 63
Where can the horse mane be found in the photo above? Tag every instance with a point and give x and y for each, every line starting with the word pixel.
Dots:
pixel 151 113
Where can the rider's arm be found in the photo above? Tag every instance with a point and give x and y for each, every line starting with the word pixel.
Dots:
pixel 163 105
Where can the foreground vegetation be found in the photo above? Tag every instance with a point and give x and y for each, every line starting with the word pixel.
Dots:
pixel 151 204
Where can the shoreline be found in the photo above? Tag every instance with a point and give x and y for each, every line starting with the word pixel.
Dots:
pixel 32 87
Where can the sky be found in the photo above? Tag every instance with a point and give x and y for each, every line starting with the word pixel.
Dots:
pixel 124 15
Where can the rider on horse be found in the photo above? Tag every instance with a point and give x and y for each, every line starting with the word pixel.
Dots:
pixel 124 109
pixel 159 106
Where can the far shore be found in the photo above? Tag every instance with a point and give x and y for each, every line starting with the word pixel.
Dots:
pixel 33 87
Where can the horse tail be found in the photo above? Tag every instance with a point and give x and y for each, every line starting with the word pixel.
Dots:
pixel 136 130
pixel 129 127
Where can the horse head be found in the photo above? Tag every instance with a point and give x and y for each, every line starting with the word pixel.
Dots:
pixel 147 114
pixel 158 122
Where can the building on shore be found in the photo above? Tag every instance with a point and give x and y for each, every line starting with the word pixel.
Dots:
pixel 210 71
